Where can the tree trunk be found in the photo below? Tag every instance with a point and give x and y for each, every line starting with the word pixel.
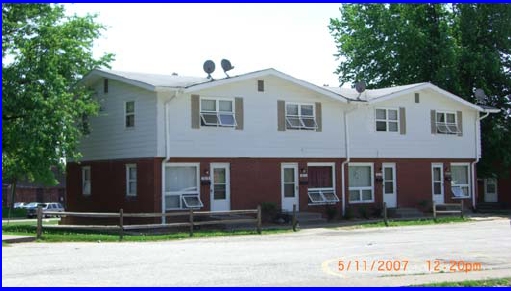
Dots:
pixel 13 194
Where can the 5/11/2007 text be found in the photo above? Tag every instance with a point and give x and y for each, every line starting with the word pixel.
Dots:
pixel 372 265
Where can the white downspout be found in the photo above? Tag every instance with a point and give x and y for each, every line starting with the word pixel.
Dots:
pixel 347 145
pixel 167 151
pixel 477 132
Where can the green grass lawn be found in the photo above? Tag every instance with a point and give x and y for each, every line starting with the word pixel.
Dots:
pixel 475 283
pixel 60 235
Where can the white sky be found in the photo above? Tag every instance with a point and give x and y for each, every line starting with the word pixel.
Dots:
pixel 166 38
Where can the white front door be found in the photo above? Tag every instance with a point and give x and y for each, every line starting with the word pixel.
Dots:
pixel 220 189
pixel 289 181
pixel 490 190
pixel 389 185
pixel 437 177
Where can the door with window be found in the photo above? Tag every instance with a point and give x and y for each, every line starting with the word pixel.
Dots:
pixel 389 185
pixel 289 181
pixel 437 174
pixel 490 190
pixel 220 188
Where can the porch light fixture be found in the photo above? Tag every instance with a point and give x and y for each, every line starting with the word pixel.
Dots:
pixel 206 172
pixel 303 170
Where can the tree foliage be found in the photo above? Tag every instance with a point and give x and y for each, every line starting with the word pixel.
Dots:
pixel 44 54
pixel 456 47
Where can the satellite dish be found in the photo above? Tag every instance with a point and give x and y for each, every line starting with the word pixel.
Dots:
pixel 209 67
pixel 360 86
pixel 480 96
pixel 226 66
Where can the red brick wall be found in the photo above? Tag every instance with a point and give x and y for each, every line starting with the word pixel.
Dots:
pixel 413 178
pixel 29 194
pixel 504 191
pixel 108 186
pixel 253 181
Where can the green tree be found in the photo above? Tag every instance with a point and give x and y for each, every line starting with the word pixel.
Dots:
pixel 456 47
pixel 44 54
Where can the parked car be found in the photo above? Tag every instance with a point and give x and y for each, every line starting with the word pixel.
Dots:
pixel 51 206
pixel 19 205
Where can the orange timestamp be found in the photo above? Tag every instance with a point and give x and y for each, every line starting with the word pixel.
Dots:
pixel 372 265
pixel 453 266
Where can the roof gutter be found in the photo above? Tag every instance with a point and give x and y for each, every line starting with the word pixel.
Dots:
pixel 167 149
pixel 347 147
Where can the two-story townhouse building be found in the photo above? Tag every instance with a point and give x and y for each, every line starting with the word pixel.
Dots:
pixel 164 143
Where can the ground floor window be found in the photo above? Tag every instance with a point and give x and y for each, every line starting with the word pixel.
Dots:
pixel 360 182
pixel 460 183
pixel 182 186
pixel 321 184
pixel 490 186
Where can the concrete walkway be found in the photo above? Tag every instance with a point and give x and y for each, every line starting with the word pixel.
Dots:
pixel 17 238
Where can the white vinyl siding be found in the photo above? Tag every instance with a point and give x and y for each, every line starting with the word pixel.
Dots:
pixel 360 182
pixel 131 180
pixel 86 180
pixel 106 140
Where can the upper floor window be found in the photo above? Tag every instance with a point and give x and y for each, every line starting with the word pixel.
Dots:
pixel 130 114
pixel 446 123
pixel 217 112
pixel 86 180
pixel 387 120
pixel 300 116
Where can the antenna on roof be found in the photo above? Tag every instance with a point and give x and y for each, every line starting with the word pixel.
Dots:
pixel 480 96
pixel 226 66
pixel 209 67
pixel 360 87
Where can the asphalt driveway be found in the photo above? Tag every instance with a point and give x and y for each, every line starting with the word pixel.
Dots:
pixel 312 257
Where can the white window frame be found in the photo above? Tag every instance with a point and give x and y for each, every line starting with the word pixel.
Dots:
pixel 323 191
pixel 444 127
pixel 192 193
pixel 359 189
pixel 300 117
pixel 486 183
pixel 128 180
pixel 127 114
pixel 86 191
pixel 217 112
pixel 469 180
pixel 386 120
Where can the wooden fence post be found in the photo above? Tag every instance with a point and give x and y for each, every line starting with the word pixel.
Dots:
pixel 191 222
pixel 434 209
pixel 259 224
pixel 121 224
pixel 294 217
pixel 385 214
pixel 461 208
pixel 39 231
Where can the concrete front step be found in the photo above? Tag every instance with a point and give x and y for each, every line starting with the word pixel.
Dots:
pixel 405 212
pixel 308 217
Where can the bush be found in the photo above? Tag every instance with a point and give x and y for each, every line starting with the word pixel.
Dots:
pixel 349 213
pixel 15 213
pixel 362 211
pixel 331 212
pixel 269 211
